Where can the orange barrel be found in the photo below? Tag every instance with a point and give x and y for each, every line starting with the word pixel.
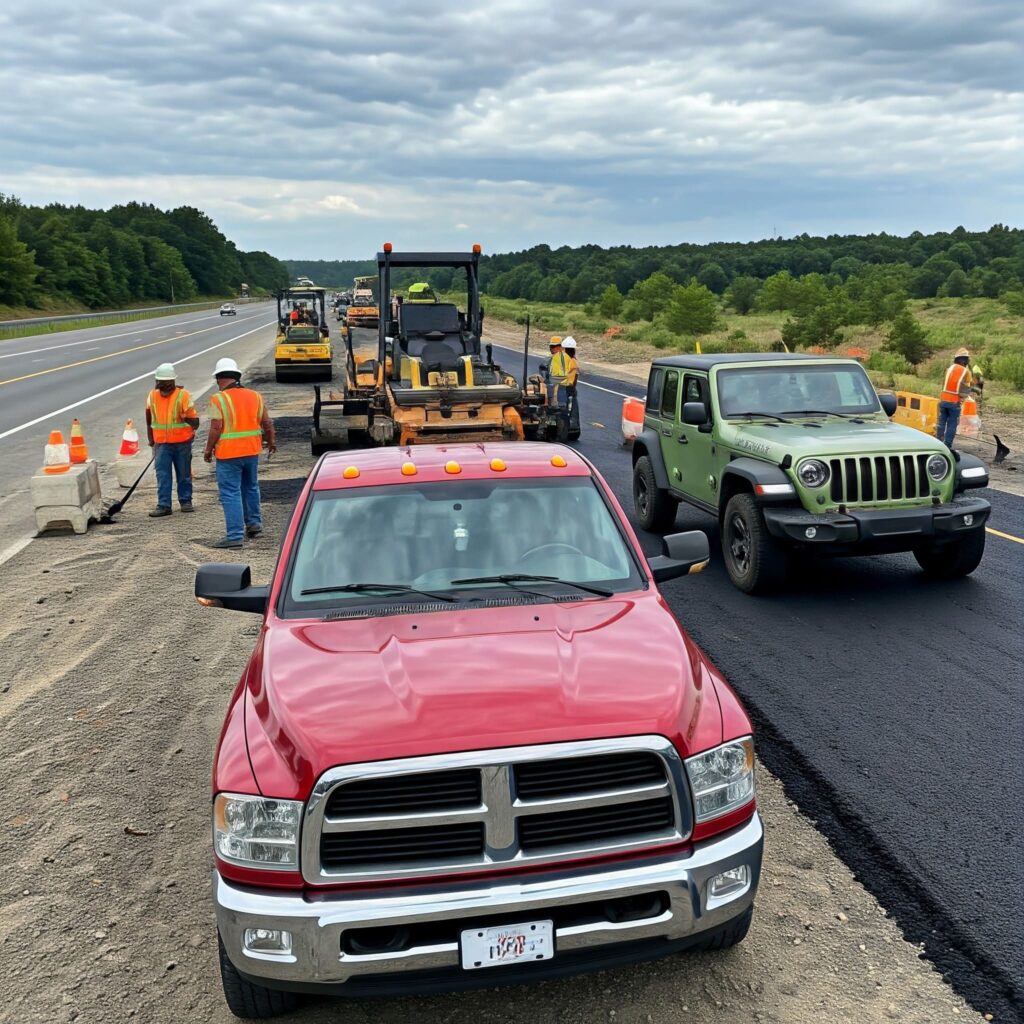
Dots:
pixel 632 419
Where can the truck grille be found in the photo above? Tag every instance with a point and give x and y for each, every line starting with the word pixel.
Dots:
pixel 487 809
pixel 867 479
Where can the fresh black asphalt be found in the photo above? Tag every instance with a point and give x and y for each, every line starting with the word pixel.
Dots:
pixel 891 708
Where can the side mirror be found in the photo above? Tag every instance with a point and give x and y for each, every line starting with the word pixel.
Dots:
pixel 888 400
pixel 695 414
pixel 229 585
pixel 681 554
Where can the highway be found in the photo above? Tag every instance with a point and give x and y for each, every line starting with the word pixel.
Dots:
pixel 891 708
pixel 102 376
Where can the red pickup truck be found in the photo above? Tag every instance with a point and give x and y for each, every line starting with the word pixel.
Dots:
pixel 472 744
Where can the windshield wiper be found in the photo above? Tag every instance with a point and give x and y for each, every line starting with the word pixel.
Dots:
pixel 824 412
pixel 766 415
pixel 512 578
pixel 349 588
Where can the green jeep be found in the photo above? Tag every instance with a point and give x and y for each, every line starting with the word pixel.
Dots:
pixel 797 452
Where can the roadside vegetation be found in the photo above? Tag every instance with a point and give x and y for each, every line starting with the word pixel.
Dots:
pixel 67 258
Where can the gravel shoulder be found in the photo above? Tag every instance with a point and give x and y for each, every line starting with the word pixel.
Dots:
pixel 113 684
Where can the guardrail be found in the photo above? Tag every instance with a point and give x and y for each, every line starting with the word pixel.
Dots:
pixel 42 324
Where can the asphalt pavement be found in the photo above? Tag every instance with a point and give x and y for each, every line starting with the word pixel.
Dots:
pixel 102 376
pixel 891 708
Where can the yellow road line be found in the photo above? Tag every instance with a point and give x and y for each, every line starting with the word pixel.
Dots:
pixel 1005 536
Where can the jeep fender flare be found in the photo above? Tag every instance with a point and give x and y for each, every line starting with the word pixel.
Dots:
pixel 745 474
pixel 648 443
pixel 975 479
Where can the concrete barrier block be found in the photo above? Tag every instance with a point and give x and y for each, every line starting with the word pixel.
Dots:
pixel 128 467
pixel 67 499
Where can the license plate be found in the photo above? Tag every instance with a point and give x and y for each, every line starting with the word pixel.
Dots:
pixel 507 944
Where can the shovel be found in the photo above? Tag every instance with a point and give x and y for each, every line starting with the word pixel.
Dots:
pixel 109 511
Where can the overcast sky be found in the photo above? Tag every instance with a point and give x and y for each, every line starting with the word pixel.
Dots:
pixel 318 130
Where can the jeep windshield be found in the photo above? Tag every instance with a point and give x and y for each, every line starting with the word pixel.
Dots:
pixel 788 390
pixel 458 538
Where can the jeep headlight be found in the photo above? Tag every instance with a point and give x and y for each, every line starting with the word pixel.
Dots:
pixel 255 832
pixel 722 779
pixel 813 473
pixel 938 467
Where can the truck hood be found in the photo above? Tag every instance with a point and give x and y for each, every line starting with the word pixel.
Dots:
pixel 832 437
pixel 321 694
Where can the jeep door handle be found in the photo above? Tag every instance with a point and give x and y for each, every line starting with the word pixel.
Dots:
pixel 666 433
pixel 683 439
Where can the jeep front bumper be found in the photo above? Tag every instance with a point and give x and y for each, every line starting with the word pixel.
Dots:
pixel 893 528
pixel 372 942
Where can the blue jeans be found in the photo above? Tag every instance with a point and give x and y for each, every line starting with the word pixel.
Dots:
pixel 239 489
pixel 949 417
pixel 179 456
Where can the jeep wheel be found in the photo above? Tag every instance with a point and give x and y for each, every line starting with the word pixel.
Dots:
pixel 655 509
pixel 951 561
pixel 249 1001
pixel 755 561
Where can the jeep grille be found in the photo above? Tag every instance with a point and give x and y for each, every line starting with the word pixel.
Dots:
pixel 869 479
pixel 477 810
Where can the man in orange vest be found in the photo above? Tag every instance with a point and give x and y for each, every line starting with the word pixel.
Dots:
pixel 956 386
pixel 171 422
pixel 239 427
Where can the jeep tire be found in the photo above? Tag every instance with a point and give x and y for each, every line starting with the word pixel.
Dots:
pixel 249 1001
pixel 655 508
pixel 756 561
pixel 951 561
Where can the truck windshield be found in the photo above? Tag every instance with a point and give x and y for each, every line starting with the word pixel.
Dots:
pixel 789 390
pixel 455 538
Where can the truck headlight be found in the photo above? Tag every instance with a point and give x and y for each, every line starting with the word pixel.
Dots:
pixel 813 473
pixel 255 832
pixel 938 467
pixel 722 779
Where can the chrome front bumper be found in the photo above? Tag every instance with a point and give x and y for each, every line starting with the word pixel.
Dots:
pixel 317 922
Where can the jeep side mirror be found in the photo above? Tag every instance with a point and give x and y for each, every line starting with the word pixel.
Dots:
pixel 695 414
pixel 229 585
pixel 888 400
pixel 681 554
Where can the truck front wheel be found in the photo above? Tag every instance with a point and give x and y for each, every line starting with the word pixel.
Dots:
pixel 655 509
pixel 754 559
pixel 951 561
pixel 249 1001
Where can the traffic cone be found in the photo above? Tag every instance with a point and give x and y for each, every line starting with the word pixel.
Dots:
pixel 55 456
pixel 632 419
pixel 79 451
pixel 129 440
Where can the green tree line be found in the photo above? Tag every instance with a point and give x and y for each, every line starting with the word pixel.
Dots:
pixel 128 254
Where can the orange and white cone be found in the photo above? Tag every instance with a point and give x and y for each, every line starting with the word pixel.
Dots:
pixel 129 440
pixel 56 458
pixel 632 419
pixel 79 451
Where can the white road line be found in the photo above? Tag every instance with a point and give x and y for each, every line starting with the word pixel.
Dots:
pixel 142 376
pixel 19 545
pixel 596 387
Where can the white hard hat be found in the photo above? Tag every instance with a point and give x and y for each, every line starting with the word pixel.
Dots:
pixel 225 366
pixel 569 343
pixel 165 371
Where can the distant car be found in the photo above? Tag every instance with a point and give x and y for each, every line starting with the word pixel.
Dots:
pixel 228 310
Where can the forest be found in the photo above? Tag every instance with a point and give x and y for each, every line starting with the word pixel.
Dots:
pixel 68 256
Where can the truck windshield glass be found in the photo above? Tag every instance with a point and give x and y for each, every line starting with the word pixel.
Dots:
pixel 775 391
pixel 424 536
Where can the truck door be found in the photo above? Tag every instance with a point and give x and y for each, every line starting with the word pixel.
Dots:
pixel 668 413
pixel 695 450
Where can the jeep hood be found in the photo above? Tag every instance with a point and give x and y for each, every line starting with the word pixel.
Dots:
pixel 832 437
pixel 321 694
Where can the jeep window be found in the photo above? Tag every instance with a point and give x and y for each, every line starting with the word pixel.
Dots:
pixel 843 389
pixel 426 535
pixel 670 394
pixel 654 390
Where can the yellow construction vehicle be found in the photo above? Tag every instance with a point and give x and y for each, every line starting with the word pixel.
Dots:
pixel 431 379
pixel 363 310
pixel 302 350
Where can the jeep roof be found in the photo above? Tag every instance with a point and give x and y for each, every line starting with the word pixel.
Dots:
pixel 698 361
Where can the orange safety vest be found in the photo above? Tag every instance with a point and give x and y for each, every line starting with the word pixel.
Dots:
pixel 166 416
pixel 951 385
pixel 242 412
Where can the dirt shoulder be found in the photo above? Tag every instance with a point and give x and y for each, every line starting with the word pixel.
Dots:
pixel 629 361
pixel 113 685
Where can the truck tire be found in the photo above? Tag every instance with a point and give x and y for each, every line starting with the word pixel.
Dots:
pixel 655 509
pixel 732 933
pixel 755 561
pixel 951 561
pixel 249 1001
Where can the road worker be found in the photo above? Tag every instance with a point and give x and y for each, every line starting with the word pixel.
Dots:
pixel 293 316
pixel 957 385
pixel 421 292
pixel 557 372
pixel 171 422
pixel 571 378
pixel 239 427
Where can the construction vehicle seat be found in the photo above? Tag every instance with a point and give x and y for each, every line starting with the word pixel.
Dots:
pixel 433 333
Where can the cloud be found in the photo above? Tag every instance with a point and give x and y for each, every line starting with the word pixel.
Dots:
pixel 519 121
